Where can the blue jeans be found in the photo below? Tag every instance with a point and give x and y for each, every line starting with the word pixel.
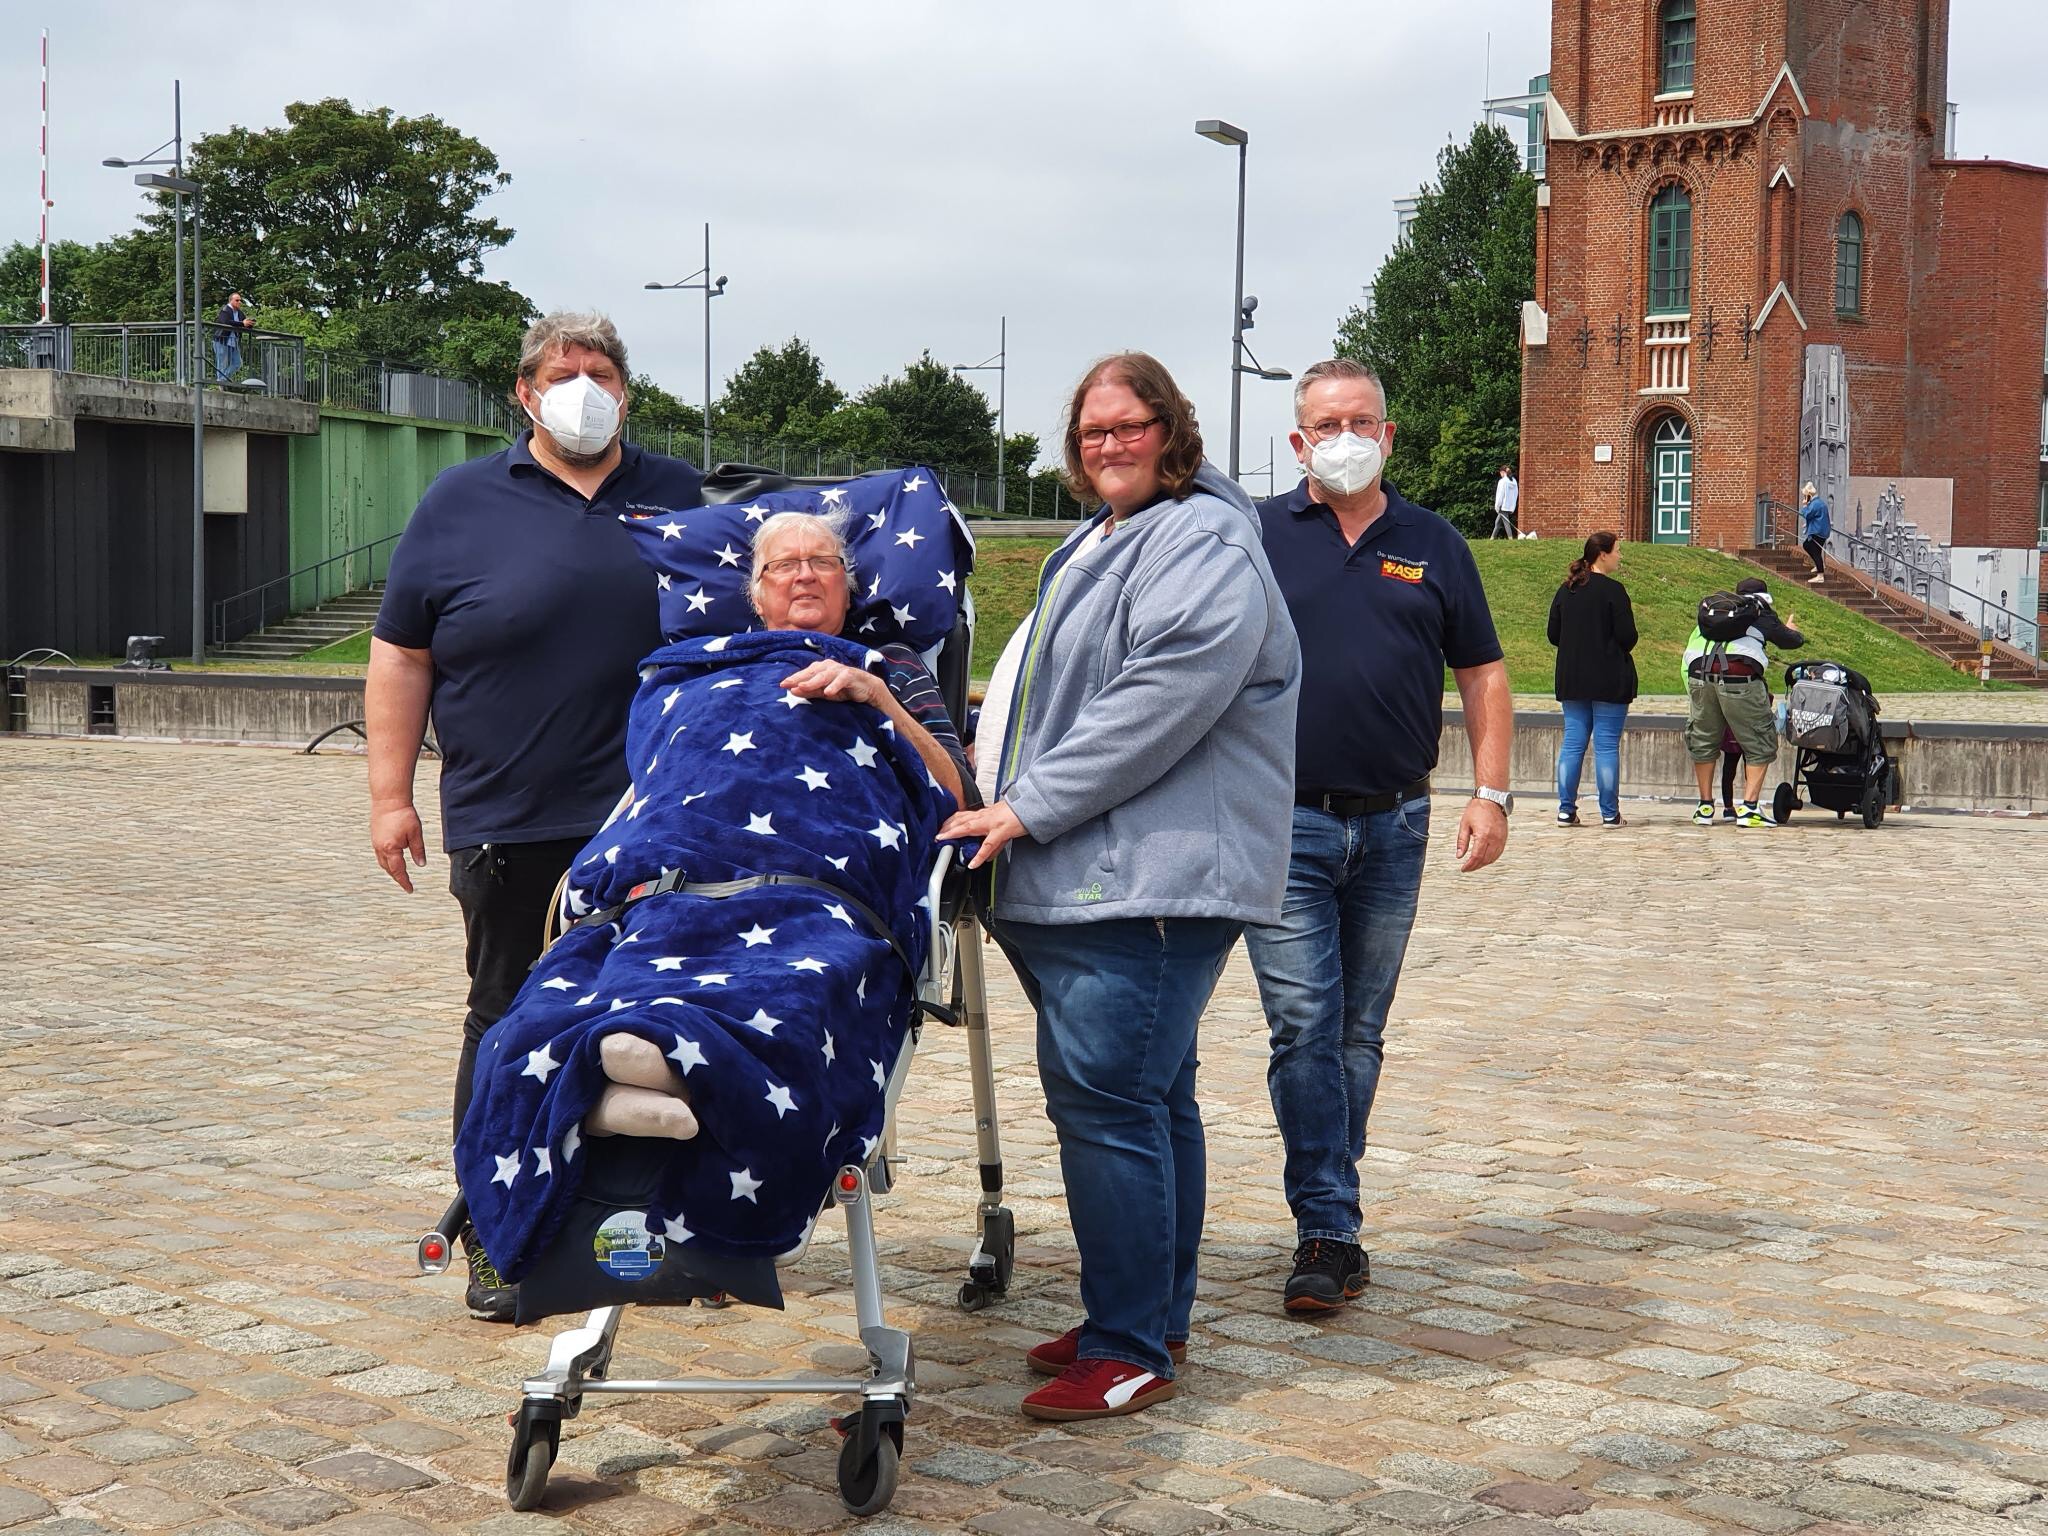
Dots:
pixel 227 357
pixel 1118 1004
pixel 1327 972
pixel 1603 723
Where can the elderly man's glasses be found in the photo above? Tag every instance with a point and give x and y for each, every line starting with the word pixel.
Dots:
pixel 821 565
pixel 1329 427
pixel 1123 432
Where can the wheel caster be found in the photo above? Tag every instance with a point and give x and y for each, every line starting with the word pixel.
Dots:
pixel 535 1440
pixel 975 1298
pixel 870 1457
pixel 995 1256
pixel 1783 804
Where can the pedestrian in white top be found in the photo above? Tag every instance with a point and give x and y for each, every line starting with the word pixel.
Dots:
pixel 1507 497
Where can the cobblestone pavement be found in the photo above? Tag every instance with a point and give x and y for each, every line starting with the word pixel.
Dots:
pixel 1707 1193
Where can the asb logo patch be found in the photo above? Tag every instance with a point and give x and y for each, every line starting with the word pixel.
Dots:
pixel 1400 570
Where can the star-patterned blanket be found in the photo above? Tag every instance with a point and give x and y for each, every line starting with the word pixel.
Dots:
pixel 911 555
pixel 780 1007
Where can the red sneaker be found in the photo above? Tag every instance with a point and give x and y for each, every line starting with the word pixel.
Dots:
pixel 1054 1356
pixel 1098 1389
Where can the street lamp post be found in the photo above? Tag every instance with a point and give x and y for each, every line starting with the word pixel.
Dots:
pixel 702 279
pixel 1220 132
pixel 1000 364
pixel 179 185
pixel 176 145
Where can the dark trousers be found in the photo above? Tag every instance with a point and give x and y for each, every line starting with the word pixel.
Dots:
pixel 1730 761
pixel 1813 547
pixel 504 890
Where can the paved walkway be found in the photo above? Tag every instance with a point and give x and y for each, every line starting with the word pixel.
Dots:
pixel 2028 706
pixel 1707 1193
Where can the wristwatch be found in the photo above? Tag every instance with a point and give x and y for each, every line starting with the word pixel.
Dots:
pixel 1503 798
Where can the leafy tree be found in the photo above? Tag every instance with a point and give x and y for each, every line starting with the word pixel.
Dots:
pixel 775 382
pixel 21 281
pixel 1442 328
pixel 659 417
pixel 935 416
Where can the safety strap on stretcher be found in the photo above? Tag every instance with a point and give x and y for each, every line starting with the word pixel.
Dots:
pixel 673 882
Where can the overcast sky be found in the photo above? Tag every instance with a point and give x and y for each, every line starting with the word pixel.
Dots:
pixel 883 176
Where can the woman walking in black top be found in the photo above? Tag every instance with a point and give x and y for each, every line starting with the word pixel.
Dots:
pixel 1594 629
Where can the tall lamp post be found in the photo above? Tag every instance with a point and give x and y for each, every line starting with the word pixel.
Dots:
pixel 1220 132
pixel 712 289
pixel 1000 364
pixel 176 145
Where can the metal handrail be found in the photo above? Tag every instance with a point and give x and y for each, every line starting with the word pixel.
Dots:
pixel 1882 559
pixel 318 570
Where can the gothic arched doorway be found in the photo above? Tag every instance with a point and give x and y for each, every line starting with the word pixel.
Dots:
pixel 1668 481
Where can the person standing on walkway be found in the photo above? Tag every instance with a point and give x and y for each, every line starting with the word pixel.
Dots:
pixel 516 614
pixel 1143 789
pixel 1728 693
pixel 1814 528
pixel 228 326
pixel 1593 626
pixel 1384 595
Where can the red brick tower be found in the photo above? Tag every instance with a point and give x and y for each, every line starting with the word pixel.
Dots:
pixel 1729 182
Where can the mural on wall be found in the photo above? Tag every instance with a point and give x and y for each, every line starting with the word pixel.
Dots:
pixel 1902 529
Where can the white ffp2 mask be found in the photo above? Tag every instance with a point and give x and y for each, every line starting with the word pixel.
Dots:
pixel 580 414
pixel 1346 463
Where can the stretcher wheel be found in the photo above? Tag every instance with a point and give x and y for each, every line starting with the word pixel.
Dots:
pixel 868 1461
pixel 534 1442
pixel 988 1273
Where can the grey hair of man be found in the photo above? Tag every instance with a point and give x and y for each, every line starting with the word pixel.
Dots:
pixel 567 328
pixel 833 528
pixel 1335 368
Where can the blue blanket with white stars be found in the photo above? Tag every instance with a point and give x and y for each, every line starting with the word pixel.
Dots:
pixel 780 1008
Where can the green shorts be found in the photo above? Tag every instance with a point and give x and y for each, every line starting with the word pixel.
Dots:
pixel 1741 706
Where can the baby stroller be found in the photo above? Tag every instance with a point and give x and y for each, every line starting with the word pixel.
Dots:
pixel 1831 719
pixel 948 988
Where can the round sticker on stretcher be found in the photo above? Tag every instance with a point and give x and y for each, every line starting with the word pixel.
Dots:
pixel 625 1249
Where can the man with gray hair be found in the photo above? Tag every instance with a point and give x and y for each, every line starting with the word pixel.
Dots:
pixel 1384 596
pixel 516 613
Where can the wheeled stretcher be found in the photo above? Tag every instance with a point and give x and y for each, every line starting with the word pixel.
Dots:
pixel 948 990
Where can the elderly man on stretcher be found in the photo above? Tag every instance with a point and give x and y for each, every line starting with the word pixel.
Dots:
pixel 742 945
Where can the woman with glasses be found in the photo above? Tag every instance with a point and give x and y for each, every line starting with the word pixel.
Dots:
pixel 1147 784
pixel 801 580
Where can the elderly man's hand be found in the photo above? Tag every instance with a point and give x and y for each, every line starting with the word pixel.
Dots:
pixel 395 832
pixel 836 680
pixel 1482 834
pixel 995 825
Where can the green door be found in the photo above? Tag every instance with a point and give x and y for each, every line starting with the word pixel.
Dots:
pixel 1671 482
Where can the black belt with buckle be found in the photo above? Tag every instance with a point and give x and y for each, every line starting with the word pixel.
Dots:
pixel 1361 805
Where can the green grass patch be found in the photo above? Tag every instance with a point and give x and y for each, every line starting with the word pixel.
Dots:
pixel 1004 584
pixel 354 651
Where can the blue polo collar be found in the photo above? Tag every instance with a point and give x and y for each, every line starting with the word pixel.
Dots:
pixel 520 456
pixel 1299 502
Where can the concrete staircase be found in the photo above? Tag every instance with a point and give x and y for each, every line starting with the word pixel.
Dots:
pixel 1948 638
pixel 309 631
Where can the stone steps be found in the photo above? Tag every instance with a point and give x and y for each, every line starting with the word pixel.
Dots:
pixel 312 630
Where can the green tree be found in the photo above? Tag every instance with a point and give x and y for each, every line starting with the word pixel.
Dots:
pixel 1442 328
pixel 661 421
pixel 21 281
pixel 935 417
pixel 773 384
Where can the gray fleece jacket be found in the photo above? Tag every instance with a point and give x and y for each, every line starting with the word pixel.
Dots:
pixel 1150 747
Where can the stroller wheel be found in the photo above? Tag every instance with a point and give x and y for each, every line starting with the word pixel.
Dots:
pixel 1872 806
pixel 534 1440
pixel 1783 804
pixel 868 1461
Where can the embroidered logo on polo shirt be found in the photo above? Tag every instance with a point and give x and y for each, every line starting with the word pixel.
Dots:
pixel 1402 570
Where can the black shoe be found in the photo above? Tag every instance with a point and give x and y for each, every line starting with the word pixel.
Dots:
pixel 1326 1275
pixel 489 1298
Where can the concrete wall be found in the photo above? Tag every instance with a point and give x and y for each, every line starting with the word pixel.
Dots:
pixel 180 706
pixel 358 481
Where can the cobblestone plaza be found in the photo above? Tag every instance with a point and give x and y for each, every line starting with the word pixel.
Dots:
pixel 1707 1193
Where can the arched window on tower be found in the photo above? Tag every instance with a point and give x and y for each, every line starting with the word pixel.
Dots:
pixel 1671 252
pixel 1676 24
pixel 1849 265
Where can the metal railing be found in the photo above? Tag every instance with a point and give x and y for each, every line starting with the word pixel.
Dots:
pixel 274 363
pixel 1940 599
pixel 296 591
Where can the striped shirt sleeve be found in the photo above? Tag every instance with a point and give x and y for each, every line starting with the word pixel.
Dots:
pixel 918 692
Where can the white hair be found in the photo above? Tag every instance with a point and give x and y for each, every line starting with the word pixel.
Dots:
pixel 780 523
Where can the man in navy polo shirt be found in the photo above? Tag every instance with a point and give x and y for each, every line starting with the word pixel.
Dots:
pixel 516 613
pixel 1384 596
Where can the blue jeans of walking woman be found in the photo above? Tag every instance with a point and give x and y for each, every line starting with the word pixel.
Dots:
pixel 1118 1007
pixel 1585 719
pixel 1327 972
